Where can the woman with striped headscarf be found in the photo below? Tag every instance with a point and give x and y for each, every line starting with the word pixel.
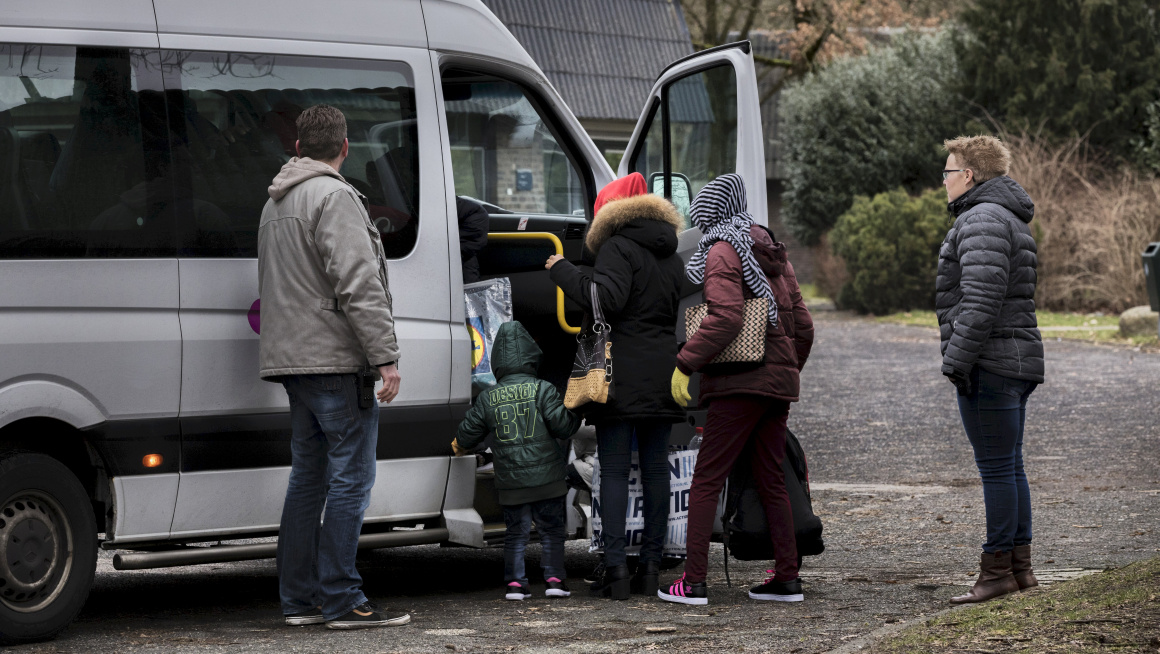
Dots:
pixel 738 260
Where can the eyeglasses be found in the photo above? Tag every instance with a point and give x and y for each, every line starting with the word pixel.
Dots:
pixel 956 170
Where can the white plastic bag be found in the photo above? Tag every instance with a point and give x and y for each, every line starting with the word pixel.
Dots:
pixel 489 305
pixel 681 464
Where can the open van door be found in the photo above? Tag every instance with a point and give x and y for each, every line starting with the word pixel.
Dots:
pixel 702 119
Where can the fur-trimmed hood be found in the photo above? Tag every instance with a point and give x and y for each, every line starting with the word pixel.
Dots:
pixel 649 220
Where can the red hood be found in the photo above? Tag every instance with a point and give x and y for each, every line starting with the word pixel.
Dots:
pixel 618 189
pixel 770 256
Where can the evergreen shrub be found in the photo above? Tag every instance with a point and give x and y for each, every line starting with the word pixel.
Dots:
pixel 865 125
pixel 1065 68
pixel 890 246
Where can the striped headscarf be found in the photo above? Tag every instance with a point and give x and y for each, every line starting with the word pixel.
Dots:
pixel 719 212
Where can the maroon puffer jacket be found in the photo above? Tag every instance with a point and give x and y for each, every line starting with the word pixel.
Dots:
pixel 787 346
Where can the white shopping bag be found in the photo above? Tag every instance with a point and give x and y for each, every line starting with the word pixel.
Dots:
pixel 681 464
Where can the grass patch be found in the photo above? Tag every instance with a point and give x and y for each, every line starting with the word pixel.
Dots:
pixel 1047 319
pixel 810 293
pixel 1116 611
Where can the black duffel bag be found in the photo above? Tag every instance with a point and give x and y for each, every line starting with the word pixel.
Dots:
pixel 746 531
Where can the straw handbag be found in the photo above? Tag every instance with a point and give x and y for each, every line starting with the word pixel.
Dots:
pixel 591 379
pixel 747 351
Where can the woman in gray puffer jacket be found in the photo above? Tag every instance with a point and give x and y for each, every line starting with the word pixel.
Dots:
pixel 992 349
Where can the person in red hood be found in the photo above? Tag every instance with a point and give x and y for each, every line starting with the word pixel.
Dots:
pixel 738 260
pixel 638 278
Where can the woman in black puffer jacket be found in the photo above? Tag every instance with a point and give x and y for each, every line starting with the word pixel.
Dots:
pixel 638 276
pixel 992 349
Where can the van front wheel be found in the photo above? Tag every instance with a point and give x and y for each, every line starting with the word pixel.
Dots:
pixel 48 547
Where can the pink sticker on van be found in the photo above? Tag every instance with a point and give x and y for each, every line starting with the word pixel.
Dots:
pixel 255 316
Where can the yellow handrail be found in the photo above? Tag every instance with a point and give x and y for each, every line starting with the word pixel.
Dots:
pixel 541 236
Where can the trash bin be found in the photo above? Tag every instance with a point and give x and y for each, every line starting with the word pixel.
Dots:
pixel 1151 257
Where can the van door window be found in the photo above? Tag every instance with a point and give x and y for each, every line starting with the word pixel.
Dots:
pixel 83 161
pixel 702 120
pixel 235 128
pixel 503 152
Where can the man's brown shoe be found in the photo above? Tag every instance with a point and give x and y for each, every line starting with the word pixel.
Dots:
pixel 1021 567
pixel 995 579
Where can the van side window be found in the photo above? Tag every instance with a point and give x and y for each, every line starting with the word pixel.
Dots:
pixel 83 166
pixel 503 152
pixel 235 128
pixel 702 110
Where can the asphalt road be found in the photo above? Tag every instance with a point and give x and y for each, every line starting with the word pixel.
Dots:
pixel 893 480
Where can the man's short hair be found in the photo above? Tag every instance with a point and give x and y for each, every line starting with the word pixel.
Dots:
pixel 985 155
pixel 321 131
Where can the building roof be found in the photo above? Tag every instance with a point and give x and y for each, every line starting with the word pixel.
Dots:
pixel 601 55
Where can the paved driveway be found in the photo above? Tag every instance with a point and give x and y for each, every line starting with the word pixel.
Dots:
pixel 893 480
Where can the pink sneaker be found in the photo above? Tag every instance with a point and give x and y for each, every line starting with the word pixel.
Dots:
pixel 684 592
pixel 556 588
pixel 517 591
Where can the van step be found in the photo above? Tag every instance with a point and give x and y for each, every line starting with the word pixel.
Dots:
pixel 226 553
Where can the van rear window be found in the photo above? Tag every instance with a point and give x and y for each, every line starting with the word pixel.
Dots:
pixel 82 144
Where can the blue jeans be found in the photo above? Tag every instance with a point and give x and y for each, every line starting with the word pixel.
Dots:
pixel 549 517
pixel 993 416
pixel 333 449
pixel 614 446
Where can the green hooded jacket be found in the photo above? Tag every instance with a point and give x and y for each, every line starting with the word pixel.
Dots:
pixel 526 415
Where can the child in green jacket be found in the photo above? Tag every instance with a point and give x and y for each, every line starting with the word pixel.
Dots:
pixel 526 415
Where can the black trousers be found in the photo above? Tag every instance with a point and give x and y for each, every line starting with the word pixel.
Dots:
pixel 614 445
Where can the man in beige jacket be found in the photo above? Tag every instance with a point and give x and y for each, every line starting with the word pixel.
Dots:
pixel 326 317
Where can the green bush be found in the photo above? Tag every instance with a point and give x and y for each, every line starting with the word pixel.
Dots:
pixel 865 125
pixel 1067 67
pixel 890 246
pixel 1148 146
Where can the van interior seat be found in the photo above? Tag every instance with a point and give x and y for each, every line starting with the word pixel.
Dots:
pixel 257 149
pixel 102 156
pixel 13 205
pixel 282 119
pixel 39 153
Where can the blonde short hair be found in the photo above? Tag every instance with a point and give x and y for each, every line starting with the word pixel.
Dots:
pixel 985 155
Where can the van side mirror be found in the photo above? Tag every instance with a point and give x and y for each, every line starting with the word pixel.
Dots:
pixel 682 191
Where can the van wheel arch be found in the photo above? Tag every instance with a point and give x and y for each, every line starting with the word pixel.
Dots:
pixel 70 447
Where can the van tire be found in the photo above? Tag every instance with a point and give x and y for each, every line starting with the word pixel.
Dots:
pixel 46 513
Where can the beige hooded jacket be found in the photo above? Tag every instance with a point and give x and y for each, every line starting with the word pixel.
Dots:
pixel 322 277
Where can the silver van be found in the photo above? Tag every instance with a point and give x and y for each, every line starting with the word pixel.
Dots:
pixel 137 140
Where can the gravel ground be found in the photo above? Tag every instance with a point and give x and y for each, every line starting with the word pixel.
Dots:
pixel 893 479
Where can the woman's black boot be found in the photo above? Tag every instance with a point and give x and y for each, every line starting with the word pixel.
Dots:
pixel 613 584
pixel 647 578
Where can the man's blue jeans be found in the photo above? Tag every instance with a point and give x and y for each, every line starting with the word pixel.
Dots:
pixel 333 447
pixel 549 518
pixel 993 416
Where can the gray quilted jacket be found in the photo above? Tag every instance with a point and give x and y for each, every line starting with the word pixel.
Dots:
pixel 985 292
pixel 322 277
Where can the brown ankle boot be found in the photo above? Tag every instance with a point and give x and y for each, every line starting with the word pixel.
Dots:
pixel 995 579
pixel 1021 567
